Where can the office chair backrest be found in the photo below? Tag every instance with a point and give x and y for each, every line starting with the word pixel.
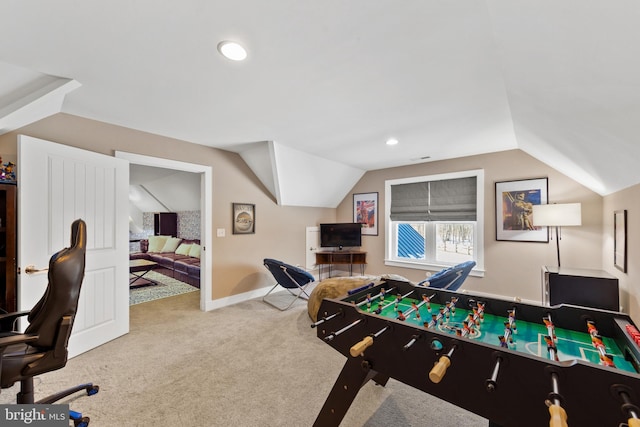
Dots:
pixel 66 272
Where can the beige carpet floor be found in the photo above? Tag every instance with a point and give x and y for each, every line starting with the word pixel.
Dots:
pixel 244 365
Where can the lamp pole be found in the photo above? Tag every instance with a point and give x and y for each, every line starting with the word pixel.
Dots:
pixel 558 243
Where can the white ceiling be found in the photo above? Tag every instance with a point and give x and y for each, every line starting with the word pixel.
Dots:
pixel 336 78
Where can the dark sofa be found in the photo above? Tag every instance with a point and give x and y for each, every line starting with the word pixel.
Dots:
pixel 178 266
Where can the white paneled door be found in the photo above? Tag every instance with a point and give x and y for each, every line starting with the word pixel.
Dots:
pixel 313 245
pixel 56 185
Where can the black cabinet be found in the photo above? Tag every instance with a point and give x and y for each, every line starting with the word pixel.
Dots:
pixel 8 247
pixel 587 288
pixel 165 224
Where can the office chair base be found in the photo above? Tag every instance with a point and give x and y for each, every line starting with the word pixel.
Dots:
pixel 89 388
pixel 26 396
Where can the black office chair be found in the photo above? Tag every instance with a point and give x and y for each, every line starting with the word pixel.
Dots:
pixel 289 277
pixel 43 346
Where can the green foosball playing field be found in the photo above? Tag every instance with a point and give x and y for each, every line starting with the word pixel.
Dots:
pixel 522 336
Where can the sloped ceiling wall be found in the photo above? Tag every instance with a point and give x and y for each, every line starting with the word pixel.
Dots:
pixel 296 178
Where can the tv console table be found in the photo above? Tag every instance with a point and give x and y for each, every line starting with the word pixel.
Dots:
pixel 350 258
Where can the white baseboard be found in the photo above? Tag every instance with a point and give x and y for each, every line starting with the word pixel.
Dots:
pixel 234 299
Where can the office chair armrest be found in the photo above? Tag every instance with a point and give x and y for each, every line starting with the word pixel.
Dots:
pixel 7 320
pixel 16 339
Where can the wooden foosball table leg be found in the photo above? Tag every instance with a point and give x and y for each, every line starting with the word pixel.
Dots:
pixel 355 373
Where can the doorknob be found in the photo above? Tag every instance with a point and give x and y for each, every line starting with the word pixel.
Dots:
pixel 31 269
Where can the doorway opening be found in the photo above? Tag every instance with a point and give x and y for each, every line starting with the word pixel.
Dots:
pixel 204 173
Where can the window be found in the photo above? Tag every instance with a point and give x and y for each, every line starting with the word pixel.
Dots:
pixel 435 221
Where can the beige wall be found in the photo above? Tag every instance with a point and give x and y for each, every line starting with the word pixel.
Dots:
pixel 237 259
pixel 628 199
pixel 512 269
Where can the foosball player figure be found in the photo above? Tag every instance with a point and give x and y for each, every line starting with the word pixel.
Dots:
pixel 481 311
pixel 475 316
pixel 382 293
pixel 552 330
pixel 379 309
pixel 591 328
pixel 368 302
pixel 512 321
pixel 467 329
pixel 607 360
pixel 401 316
pixel 509 332
pixel 432 323
pixel 473 319
pixel 551 347
pixel 427 302
pixel 447 309
pixel 441 316
pixel 503 342
pixel 398 299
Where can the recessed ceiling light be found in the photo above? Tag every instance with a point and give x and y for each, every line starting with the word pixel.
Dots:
pixel 392 141
pixel 232 50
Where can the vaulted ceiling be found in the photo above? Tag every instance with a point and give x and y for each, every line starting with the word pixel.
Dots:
pixel 334 79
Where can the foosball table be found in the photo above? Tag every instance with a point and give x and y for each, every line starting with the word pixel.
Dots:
pixel 516 364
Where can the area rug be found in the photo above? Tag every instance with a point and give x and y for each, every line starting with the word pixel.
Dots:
pixel 166 287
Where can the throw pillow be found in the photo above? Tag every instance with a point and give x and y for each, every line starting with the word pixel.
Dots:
pixel 156 243
pixel 171 245
pixel 183 249
pixel 194 251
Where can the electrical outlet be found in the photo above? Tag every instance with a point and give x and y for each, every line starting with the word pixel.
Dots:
pixel 220 232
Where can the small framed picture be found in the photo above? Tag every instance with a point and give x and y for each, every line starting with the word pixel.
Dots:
pixel 244 218
pixel 620 240
pixel 514 210
pixel 365 212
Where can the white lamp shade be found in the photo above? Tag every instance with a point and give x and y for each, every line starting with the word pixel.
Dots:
pixel 560 215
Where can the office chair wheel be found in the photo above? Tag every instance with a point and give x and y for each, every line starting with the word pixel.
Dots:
pixel 82 422
pixel 92 389
pixel 78 419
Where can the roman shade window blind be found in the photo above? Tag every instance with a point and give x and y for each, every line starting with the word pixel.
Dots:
pixel 442 200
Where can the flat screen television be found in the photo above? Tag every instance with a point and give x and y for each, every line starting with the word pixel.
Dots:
pixel 340 235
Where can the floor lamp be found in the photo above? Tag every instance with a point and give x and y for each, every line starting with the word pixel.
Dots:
pixel 557 215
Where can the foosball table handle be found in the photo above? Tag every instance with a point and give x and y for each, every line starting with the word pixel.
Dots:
pixel 360 347
pixel 634 422
pixel 439 369
pixel 558 416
